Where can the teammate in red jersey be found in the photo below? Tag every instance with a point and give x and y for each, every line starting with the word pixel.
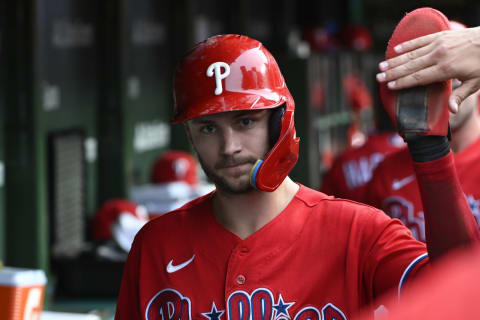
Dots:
pixel 452 290
pixel 261 245
pixel 352 169
pixel 393 187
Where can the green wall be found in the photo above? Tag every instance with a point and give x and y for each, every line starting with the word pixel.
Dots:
pixel 135 97
pixel 52 88
pixel 2 134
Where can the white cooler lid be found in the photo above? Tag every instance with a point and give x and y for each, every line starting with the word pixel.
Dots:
pixel 12 277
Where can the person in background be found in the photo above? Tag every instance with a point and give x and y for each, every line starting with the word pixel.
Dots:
pixel 394 188
pixel 452 290
pixel 352 169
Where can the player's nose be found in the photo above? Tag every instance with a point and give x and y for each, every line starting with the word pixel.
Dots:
pixel 230 143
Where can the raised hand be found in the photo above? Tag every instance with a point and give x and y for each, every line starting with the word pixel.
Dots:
pixel 434 58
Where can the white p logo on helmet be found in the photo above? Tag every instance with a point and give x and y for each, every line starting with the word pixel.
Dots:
pixel 214 68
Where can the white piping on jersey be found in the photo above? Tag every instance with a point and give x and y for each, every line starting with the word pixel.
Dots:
pixel 407 271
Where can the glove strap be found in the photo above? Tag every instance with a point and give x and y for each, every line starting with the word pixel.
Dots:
pixel 428 148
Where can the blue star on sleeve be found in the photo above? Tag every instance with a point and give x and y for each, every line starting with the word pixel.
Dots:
pixel 214 314
pixel 282 308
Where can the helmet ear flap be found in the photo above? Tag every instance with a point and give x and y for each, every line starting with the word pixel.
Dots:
pixel 275 124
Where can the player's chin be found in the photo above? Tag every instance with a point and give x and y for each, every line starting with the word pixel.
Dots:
pixel 237 185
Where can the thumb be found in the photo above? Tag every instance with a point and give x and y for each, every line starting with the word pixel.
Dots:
pixel 461 93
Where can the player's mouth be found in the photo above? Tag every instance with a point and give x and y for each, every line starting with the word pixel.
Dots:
pixel 234 168
pixel 231 163
pixel 237 169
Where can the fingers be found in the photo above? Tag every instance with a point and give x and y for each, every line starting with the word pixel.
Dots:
pixel 416 43
pixel 408 68
pixel 461 93
pixel 406 58
pixel 453 104
pixel 421 77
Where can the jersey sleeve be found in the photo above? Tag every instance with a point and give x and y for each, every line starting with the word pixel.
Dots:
pixel 449 222
pixel 393 257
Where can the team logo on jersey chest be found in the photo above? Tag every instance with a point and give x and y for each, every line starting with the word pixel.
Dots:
pixel 170 304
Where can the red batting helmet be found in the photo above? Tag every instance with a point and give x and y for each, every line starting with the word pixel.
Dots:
pixel 234 72
pixel 173 166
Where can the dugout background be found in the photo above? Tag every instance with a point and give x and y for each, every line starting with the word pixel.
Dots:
pixel 85 103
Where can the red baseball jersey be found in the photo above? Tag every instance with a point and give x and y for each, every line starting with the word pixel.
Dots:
pixel 352 170
pixel 394 188
pixel 320 258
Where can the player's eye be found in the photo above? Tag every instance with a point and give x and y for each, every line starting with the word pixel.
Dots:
pixel 208 129
pixel 246 122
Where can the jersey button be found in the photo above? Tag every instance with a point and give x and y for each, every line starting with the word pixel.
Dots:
pixel 241 279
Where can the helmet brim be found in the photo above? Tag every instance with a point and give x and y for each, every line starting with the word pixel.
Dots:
pixel 232 101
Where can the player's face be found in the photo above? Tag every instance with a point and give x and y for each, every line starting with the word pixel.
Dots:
pixel 465 111
pixel 228 144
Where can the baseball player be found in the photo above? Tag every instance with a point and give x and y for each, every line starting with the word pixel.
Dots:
pixel 422 61
pixel 352 169
pixel 394 188
pixel 262 246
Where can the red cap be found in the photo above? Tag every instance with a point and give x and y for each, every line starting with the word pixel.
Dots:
pixel 109 213
pixel 174 166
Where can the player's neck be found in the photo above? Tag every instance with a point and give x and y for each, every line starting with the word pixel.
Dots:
pixel 246 213
pixel 466 135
